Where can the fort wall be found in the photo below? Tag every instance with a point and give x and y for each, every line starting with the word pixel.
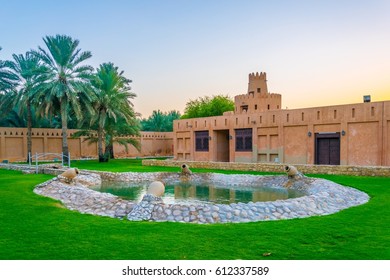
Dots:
pixel 13 144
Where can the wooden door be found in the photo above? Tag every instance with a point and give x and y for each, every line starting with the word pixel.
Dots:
pixel 328 149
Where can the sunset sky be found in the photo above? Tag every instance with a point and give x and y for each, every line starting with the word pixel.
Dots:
pixel 315 53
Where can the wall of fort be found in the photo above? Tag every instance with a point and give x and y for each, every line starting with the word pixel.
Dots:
pixel 13 144
pixel 289 136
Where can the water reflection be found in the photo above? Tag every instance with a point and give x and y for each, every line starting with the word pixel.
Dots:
pixel 191 193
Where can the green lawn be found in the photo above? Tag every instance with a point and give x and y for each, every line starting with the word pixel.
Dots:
pixel 35 227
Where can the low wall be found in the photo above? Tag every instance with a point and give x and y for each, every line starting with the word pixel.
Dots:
pixel 13 144
pixel 279 168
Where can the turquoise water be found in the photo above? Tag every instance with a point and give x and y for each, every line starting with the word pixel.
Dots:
pixel 192 193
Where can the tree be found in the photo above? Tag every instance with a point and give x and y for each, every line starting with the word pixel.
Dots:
pixel 26 68
pixel 67 82
pixel 208 106
pixel 116 131
pixel 112 102
pixel 8 79
pixel 121 132
pixel 160 121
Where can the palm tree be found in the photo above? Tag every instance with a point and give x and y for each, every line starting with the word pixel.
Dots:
pixel 112 102
pixel 7 78
pixel 67 82
pixel 26 68
pixel 118 132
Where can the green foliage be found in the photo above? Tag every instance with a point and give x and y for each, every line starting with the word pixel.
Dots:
pixel 35 227
pixel 160 121
pixel 8 79
pixel 208 106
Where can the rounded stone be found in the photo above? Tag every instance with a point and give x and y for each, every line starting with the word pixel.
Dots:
pixel 156 188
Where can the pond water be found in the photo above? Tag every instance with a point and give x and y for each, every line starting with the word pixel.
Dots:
pixel 190 193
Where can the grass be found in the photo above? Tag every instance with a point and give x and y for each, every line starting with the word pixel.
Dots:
pixel 35 227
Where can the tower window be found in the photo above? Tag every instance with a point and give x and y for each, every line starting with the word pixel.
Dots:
pixel 255 107
pixel 258 90
pixel 268 106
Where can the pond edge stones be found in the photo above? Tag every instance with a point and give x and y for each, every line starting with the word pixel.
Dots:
pixel 143 210
pixel 322 197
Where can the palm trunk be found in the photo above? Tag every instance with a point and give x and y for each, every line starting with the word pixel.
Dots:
pixel 100 144
pixel 29 130
pixel 64 121
pixel 109 151
pixel 102 157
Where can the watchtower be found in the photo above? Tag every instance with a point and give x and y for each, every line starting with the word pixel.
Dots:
pixel 258 99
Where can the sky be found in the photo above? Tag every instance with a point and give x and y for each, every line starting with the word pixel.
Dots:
pixel 315 53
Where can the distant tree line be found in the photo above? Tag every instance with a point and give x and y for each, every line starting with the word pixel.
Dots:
pixel 160 121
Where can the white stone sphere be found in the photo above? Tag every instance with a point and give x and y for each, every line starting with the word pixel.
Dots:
pixel 156 188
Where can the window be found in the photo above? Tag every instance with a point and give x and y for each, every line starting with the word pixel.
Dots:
pixel 255 107
pixel 258 90
pixel 244 140
pixel 201 141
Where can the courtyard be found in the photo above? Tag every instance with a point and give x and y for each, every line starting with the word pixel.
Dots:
pixel 41 228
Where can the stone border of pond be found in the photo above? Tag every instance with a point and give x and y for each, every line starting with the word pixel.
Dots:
pixel 323 197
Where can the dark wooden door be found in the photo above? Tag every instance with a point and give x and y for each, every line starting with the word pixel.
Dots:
pixel 328 148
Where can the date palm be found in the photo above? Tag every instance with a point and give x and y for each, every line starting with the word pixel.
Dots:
pixel 112 102
pixel 27 68
pixel 8 79
pixel 67 81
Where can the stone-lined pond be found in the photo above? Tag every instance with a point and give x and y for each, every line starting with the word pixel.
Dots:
pixel 194 193
pixel 309 197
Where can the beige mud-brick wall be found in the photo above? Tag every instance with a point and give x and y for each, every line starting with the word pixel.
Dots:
pixel 295 144
pixel 13 144
pixel 152 144
pixel 363 138
pixel 290 135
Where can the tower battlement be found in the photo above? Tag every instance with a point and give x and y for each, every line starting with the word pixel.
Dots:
pixel 257 83
pixel 258 76
pixel 258 99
